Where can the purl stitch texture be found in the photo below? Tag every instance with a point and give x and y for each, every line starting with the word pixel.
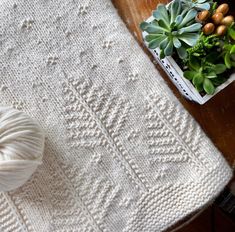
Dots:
pixel 121 154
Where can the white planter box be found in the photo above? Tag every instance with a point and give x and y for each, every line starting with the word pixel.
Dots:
pixel 176 75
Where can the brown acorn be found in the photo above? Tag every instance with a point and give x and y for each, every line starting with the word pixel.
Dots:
pixel 228 20
pixel 223 8
pixel 217 18
pixel 208 28
pixel 203 16
pixel 221 30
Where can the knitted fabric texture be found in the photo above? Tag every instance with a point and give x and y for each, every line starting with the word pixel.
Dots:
pixel 121 153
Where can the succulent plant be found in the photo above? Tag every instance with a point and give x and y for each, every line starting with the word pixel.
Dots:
pixel 204 75
pixel 171 28
pixel 231 32
pixel 228 47
pixel 205 64
pixel 229 55
pixel 197 4
pixel 205 46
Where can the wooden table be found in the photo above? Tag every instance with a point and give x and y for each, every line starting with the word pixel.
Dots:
pixel 216 117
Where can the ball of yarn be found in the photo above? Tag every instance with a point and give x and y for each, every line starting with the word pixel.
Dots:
pixel 21 148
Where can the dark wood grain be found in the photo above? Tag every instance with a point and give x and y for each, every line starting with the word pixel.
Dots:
pixel 216 117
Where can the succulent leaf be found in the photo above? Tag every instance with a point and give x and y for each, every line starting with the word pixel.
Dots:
pixel 208 86
pixel 204 6
pixel 182 52
pixel 178 20
pixel 162 54
pixel 164 43
pixel 211 75
pixel 192 28
pixel 154 29
pixel 169 48
pixel 175 9
pixel 176 42
pixel 162 14
pixel 220 68
pixel 198 5
pixel 189 74
pixel 188 17
pixel 154 22
pixel 189 38
pixel 156 42
pixel 151 37
pixel 198 79
pixel 227 60
pixel 231 33
pixel 232 50
pixel 144 25
pixel 163 24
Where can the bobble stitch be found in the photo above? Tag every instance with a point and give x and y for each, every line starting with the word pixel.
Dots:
pixel 108 44
pixel 94 66
pixel 133 76
pixel 44 99
pixel 94 27
pixel 67 34
pixel 27 24
pixel 17 105
pixel 82 10
pixel 120 60
pixel 52 60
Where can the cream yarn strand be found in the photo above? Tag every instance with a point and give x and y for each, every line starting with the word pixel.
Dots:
pixel 21 148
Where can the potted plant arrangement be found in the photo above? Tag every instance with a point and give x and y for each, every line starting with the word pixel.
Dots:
pixel 194 41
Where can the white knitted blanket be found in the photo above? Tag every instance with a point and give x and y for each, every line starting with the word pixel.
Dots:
pixel 122 155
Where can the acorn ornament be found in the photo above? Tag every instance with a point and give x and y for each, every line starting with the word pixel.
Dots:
pixel 223 8
pixel 217 18
pixel 228 20
pixel 203 16
pixel 208 29
pixel 221 30
pixel 218 22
